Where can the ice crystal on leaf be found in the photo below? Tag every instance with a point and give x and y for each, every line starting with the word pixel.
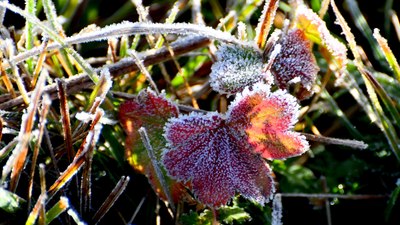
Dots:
pixel 223 154
pixel 237 67
pixel 295 63
pixel 150 111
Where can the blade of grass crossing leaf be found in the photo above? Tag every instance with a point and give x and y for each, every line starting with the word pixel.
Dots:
pixel 390 58
pixel 30 7
pixel 152 156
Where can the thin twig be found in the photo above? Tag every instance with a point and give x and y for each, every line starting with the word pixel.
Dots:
pixel 336 141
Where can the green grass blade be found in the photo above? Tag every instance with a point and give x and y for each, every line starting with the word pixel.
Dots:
pixel 387 101
pixel 30 8
pixel 61 206
pixel 390 58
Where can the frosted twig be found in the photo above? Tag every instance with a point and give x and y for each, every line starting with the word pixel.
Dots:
pixel 336 141
pixel 128 28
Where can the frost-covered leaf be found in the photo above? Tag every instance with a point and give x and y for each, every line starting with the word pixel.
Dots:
pixel 236 68
pixel 295 63
pixel 220 155
pixel 268 119
pixel 315 30
pixel 150 111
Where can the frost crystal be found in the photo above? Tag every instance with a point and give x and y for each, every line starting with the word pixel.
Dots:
pixel 220 155
pixel 236 68
pixel 295 63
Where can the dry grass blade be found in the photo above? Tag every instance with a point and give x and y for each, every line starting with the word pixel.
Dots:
pixel 80 157
pixel 111 199
pixel 39 63
pixel 42 122
pixel 39 210
pixel 39 206
pixel 86 174
pixel 65 117
pixel 265 22
pixel 18 159
pixel 6 80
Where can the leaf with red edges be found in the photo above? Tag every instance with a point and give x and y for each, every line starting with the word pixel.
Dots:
pixel 220 155
pixel 150 111
pixel 295 62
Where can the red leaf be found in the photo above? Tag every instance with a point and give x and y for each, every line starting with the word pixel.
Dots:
pixel 221 155
pixel 204 150
pixel 295 63
pixel 268 119
pixel 152 112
